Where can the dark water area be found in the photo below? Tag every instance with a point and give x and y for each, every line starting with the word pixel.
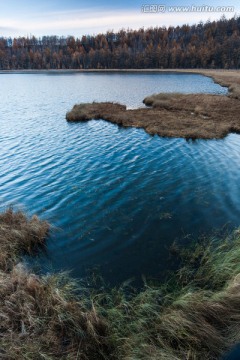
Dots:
pixel 117 198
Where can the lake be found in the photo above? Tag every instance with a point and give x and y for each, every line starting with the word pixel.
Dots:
pixel 116 198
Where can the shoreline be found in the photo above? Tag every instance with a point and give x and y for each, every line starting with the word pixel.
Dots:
pixel 202 71
pixel 183 317
pixel 189 116
pixel 219 76
pixel 204 116
pixel 121 70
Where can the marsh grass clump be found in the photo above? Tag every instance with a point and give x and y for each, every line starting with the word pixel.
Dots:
pixel 199 110
pixel 96 111
pixel 194 314
pixel 234 91
pixel 41 316
pixel 158 100
pixel 190 116
pixel 19 235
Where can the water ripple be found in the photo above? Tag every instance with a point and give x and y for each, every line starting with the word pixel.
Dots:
pixel 116 197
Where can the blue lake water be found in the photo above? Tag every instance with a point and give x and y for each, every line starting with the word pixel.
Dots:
pixel 117 198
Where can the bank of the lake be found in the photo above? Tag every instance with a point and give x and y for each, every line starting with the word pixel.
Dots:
pixel 195 314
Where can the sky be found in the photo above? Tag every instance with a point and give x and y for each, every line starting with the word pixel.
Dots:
pixel 77 18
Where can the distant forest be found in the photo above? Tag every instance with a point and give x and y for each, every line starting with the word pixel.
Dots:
pixel 205 45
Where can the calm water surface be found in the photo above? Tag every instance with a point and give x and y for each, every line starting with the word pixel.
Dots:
pixel 117 198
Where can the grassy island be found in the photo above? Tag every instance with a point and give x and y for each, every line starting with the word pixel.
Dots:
pixel 192 116
pixel 194 315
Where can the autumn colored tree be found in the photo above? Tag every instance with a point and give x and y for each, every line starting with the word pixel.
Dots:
pixel 211 45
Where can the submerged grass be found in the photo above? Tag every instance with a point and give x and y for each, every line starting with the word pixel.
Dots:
pixel 194 315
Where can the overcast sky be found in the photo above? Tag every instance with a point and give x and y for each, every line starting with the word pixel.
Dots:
pixel 74 17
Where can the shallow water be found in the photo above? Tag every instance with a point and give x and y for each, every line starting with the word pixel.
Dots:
pixel 117 198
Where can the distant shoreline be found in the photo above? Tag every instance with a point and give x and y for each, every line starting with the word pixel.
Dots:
pixel 194 71
pixel 222 77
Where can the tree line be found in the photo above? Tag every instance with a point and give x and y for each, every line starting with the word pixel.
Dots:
pixel 213 44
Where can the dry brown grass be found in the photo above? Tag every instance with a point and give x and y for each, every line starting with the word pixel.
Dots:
pixel 171 115
pixel 85 112
pixel 176 115
pixel 195 316
pixel 41 317
pixel 19 235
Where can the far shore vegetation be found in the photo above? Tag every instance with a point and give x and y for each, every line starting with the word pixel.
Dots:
pixel 212 45
pixel 194 315
pixel 191 116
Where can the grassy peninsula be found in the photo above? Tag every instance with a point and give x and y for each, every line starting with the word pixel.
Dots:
pixel 194 315
pixel 192 116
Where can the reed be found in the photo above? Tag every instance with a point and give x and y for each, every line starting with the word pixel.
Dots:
pixel 194 314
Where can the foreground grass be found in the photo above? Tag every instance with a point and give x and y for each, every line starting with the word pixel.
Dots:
pixel 194 315
pixel 41 318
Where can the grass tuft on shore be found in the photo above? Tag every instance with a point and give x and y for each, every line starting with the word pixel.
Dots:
pixel 19 235
pixel 41 316
pixel 194 315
